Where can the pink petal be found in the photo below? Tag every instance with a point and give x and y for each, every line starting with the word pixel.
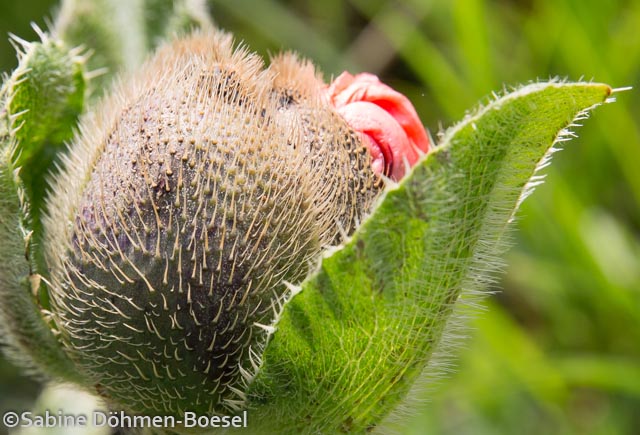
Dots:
pixel 391 144
pixel 395 126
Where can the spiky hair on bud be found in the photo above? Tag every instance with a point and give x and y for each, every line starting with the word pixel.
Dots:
pixel 187 202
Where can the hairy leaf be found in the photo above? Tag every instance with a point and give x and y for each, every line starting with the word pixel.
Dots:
pixel 365 327
pixel 42 100
pixel 40 103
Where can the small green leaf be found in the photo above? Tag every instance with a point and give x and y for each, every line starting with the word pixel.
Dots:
pixel 351 345
pixel 26 335
pixel 42 100
pixel 40 103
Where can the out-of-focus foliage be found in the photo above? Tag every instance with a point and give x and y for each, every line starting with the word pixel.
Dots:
pixel 559 349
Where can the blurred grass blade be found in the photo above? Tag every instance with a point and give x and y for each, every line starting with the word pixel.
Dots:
pixel 120 33
pixel 290 29
pixel 472 33
pixel 164 18
pixel 113 30
pixel 421 54
pixel 615 374
pixel 383 300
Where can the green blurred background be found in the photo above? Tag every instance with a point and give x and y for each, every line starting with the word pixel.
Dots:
pixel 558 349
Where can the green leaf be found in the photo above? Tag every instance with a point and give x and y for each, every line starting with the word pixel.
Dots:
pixel 365 327
pixel 27 337
pixel 40 103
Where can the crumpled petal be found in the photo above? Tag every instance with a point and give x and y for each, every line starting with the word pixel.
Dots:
pixel 387 119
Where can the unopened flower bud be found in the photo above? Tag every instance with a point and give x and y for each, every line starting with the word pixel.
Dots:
pixel 190 197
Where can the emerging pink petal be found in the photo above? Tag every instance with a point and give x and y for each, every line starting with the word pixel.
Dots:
pixel 391 127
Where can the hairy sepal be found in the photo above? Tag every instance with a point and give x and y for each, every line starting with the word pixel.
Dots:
pixel 43 99
pixel 40 103
pixel 365 326
pixel 26 336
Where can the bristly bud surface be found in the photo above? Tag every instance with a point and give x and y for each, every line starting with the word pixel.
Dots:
pixel 188 198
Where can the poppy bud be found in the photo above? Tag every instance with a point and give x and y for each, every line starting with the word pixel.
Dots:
pixel 189 199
